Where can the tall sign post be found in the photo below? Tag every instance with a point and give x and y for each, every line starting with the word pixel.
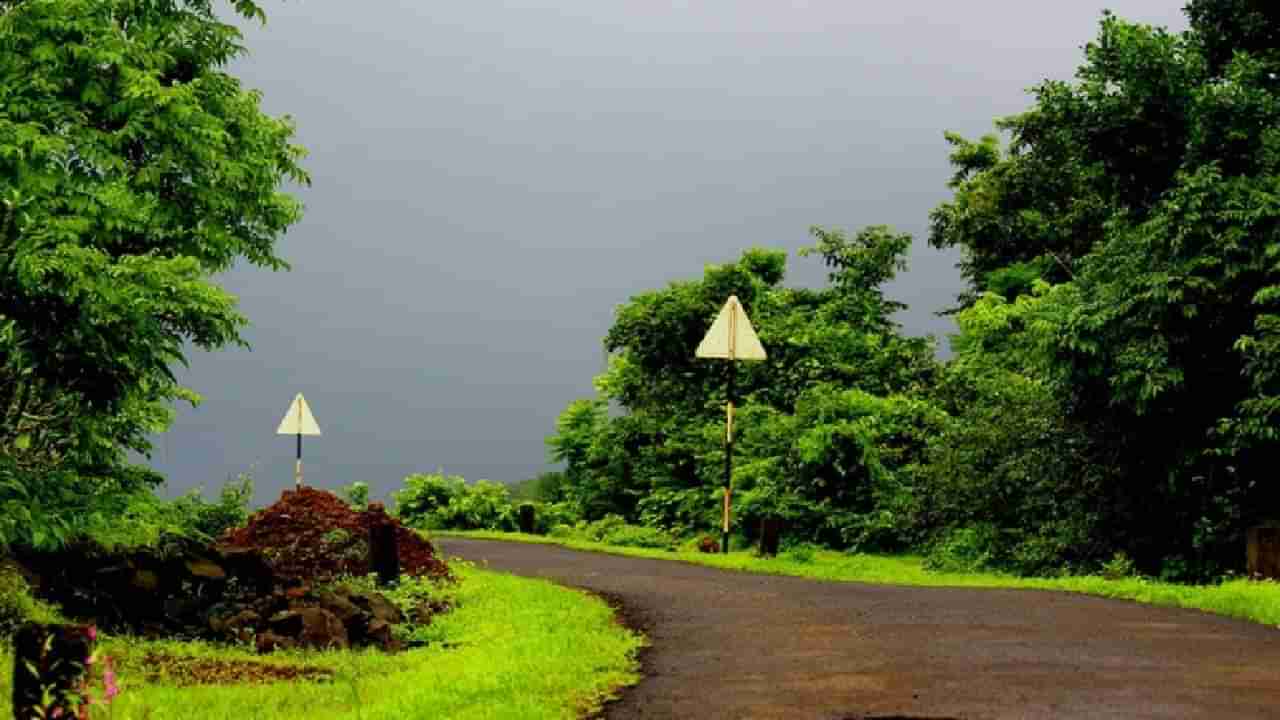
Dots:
pixel 298 421
pixel 731 338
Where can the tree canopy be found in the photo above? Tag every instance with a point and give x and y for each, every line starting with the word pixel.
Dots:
pixel 1116 380
pixel 133 167
pixel 1146 190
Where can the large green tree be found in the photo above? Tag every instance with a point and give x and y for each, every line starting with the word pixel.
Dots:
pixel 660 457
pixel 133 167
pixel 1149 189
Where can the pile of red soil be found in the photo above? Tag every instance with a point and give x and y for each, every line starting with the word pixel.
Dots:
pixel 311 535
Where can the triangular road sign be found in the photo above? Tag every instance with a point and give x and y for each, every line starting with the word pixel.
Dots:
pixel 299 420
pixel 731 336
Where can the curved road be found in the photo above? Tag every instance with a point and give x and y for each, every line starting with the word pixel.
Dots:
pixel 734 645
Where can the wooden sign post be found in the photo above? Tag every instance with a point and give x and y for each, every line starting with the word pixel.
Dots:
pixel 298 421
pixel 731 338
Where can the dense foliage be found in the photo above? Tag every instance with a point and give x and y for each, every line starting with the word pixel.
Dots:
pixel 830 435
pixel 132 169
pixel 1157 230
pixel 1116 380
pixel 436 501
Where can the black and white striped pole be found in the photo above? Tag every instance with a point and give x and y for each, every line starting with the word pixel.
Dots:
pixel 298 421
pixel 731 338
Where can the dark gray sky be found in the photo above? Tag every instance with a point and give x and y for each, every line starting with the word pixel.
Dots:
pixel 491 179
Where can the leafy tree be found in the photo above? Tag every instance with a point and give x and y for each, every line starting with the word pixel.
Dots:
pixel 845 469
pixel 660 457
pixel 1160 220
pixel 133 168
pixel 1009 479
pixel 434 501
pixel 425 493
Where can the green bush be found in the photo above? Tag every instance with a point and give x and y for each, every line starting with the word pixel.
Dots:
pixel 640 536
pixel 143 520
pixel 211 519
pixel 802 553
pixel 549 516
pixel 1119 567
pixel 1011 470
pixel 424 494
pixel 436 502
pixel 598 530
pixel 18 605
pixel 967 549
pixel 356 494
pixel 684 511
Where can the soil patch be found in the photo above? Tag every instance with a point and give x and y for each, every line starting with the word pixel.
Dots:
pixel 185 671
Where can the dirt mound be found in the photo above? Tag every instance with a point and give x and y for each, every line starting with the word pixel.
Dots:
pixel 312 535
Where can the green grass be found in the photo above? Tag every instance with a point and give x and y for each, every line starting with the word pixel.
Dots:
pixel 516 648
pixel 1247 600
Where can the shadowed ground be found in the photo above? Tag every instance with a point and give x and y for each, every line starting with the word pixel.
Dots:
pixel 734 645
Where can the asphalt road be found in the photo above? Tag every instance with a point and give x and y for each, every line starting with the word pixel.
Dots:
pixel 734 645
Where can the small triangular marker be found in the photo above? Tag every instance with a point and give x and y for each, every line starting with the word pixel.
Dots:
pixel 731 336
pixel 299 420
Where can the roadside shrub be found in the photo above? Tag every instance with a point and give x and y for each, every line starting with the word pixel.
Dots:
pixel 640 536
pixel 356 494
pixel 211 519
pixel 424 494
pixel 682 511
pixel 600 529
pixel 483 505
pixel 1010 483
pixel 18 605
pixel 802 553
pixel 1119 567
pixel 561 532
pixel 967 549
pixel 552 515
pixel 143 520
pixel 436 502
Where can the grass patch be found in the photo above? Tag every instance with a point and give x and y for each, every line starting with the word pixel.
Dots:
pixel 513 648
pixel 1244 599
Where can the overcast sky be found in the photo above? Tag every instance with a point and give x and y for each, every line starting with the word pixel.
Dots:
pixel 491 179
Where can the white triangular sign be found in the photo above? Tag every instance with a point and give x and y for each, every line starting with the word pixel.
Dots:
pixel 731 336
pixel 299 420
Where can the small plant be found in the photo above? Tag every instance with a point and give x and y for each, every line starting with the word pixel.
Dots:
pixel 337 536
pixel 356 494
pixel 802 553
pixel 1120 566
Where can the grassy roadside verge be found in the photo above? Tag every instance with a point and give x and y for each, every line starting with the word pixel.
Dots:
pixel 513 648
pixel 1247 600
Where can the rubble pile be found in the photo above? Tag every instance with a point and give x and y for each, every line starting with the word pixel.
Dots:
pixel 270 583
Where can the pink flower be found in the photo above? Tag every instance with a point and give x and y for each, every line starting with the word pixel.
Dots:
pixel 109 687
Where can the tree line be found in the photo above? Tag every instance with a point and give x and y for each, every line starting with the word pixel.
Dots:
pixel 1116 374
